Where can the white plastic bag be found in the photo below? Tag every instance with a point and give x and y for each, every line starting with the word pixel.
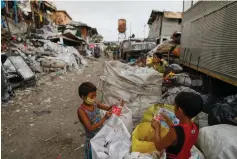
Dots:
pixel 112 141
pixel 176 67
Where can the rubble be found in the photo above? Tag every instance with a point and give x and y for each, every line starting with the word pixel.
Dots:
pixel 6 89
pixel 27 57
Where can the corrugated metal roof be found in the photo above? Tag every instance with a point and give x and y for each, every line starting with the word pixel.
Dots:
pixel 69 36
pixel 75 23
pixel 173 15
pixel 50 5
pixel 153 15
pixel 65 13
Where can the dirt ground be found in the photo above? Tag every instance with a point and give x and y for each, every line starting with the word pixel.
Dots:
pixel 41 122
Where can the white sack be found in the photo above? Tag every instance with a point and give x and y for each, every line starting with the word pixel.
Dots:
pixel 218 141
pixel 195 154
pixel 138 86
pixel 112 141
pixel 126 118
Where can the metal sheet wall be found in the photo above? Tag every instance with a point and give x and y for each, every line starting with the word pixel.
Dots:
pixel 155 28
pixel 169 26
pixel 209 37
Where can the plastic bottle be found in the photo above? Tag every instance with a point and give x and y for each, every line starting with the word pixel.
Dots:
pixel 170 115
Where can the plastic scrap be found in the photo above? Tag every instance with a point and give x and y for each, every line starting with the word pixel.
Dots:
pixel 46 32
pixel 6 89
pixel 225 112
pixel 17 71
pixel 176 67
pixel 25 7
pixel 67 54
pixel 172 92
pixel 21 67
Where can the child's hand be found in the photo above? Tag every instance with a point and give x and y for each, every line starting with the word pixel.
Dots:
pixel 167 120
pixel 155 124
pixel 108 114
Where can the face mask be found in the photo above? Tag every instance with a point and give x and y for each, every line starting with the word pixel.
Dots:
pixel 89 101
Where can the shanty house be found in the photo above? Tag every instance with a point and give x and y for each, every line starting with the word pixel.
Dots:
pixel 61 17
pixel 83 30
pixel 18 16
pixel 163 24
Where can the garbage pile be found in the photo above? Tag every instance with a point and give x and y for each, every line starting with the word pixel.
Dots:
pixel 224 111
pixel 33 54
pixel 171 46
pixel 137 85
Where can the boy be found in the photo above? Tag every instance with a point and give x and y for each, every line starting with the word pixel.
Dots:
pixel 158 63
pixel 89 114
pixel 180 138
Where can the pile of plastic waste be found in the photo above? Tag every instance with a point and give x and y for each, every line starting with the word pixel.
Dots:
pixel 29 55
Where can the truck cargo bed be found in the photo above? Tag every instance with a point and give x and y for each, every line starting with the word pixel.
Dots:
pixel 209 39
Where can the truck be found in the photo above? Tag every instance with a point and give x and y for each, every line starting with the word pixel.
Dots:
pixel 134 48
pixel 209 41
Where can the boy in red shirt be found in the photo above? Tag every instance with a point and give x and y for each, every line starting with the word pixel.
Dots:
pixel 180 138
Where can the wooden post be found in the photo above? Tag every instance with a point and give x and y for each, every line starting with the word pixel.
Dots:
pixel 33 13
pixel 8 25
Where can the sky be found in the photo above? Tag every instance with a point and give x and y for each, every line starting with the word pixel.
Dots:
pixel 104 15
